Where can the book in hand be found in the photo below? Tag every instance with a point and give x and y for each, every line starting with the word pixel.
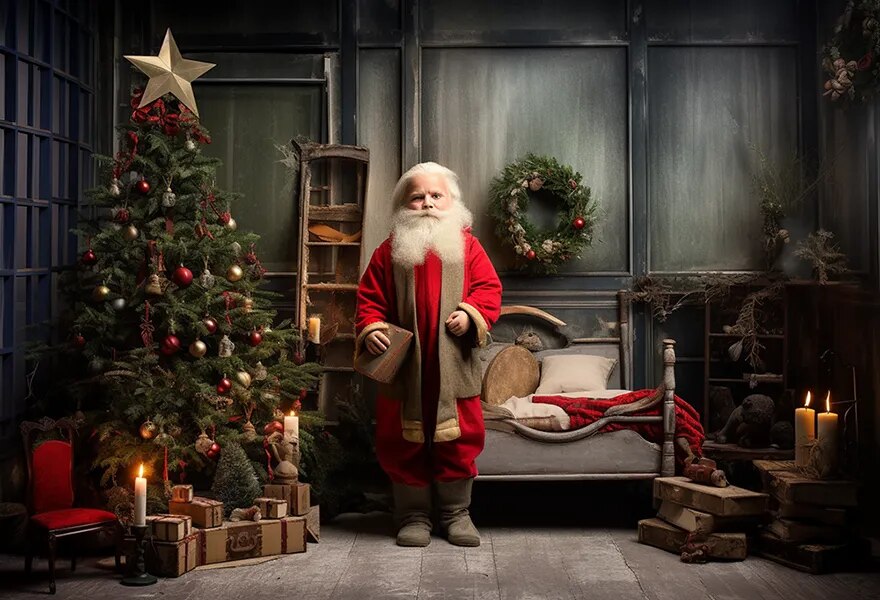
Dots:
pixel 383 367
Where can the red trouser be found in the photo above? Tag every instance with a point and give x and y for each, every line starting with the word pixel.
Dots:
pixel 418 465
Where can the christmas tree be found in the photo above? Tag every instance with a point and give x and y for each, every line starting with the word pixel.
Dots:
pixel 167 310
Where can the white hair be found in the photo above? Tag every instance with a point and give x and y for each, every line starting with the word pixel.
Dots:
pixel 398 196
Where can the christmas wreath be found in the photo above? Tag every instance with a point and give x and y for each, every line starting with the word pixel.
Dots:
pixel 538 249
pixel 849 56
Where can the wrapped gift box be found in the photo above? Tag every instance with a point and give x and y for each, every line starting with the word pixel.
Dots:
pixel 293 535
pixel 205 512
pixel 297 496
pixel 182 493
pixel 168 559
pixel 170 528
pixel 271 508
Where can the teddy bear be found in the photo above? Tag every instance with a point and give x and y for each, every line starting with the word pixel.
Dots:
pixel 750 423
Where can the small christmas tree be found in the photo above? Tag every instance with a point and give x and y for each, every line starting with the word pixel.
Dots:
pixel 183 352
pixel 235 483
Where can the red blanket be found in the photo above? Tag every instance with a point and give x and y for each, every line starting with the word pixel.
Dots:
pixel 584 411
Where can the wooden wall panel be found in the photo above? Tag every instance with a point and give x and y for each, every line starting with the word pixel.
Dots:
pixel 483 108
pixel 706 105
pixel 721 20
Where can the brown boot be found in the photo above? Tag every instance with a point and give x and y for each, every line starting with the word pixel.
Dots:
pixel 412 507
pixel 455 499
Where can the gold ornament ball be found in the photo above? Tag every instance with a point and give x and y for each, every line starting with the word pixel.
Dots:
pixel 198 348
pixel 148 430
pixel 248 304
pixel 244 378
pixel 130 233
pixel 100 293
pixel 234 273
pixel 231 225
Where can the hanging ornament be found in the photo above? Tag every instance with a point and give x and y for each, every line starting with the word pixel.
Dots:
pixel 118 304
pixel 244 378
pixel 236 248
pixel 142 186
pixel 578 223
pixel 234 273
pixel 250 258
pixel 260 372
pixel 298 358
pixel 169 199
pixel 207 279
pixel 224 386
pixel 182 276
pixel 210 324
pixel 153 286
pixel 273 426
pixel 203 443
pixel 227 347
pixel 530 254
pixel 120 215
pixel 248 430
pixel 130 233
pixel 100 293
pixel 148 430
pixel 231 225
pixel 78 341
pixel 214 451
pixel 190 146
pixel 247 304
pixel 89 257
pixel 170 345
pixel 255 338
pixel 225 217
pixel 115 188
pixel 198 348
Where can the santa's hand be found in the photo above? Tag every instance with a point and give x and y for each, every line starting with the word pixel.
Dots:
pixel 377 342
pixel 458 322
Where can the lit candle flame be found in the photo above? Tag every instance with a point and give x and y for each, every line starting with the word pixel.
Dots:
pixel 807 403
pixel 141 470
pixel 828 402
pixel 293 413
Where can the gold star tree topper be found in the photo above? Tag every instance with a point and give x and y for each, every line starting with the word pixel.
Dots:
pixel 170 73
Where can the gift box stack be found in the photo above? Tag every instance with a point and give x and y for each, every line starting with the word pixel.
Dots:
pixel 194 532
pixel 702 521
pixel 812 527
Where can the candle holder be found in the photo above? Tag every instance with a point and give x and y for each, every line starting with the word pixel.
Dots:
pixel 137 571
pixel 849 455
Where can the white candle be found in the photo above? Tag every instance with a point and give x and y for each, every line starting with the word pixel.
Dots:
pixel 315 330
pixel 291 426
pixel 804 432
pixel 140 499
pixel 828 433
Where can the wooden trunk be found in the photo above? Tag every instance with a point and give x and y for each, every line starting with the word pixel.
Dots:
pixel 313 524
pixel 205 512
pixel 815 558
pixel 798 531
pixel 297 496
pixel 170 528
pixel 728 501
pixel 169 559
pixel 240 539
pixel 697 521
pixel 658 533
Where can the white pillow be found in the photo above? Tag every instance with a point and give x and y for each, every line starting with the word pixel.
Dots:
pixel 562 373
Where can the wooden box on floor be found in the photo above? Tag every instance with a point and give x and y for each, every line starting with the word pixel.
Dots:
pixel 170 528
pixel 789 486
pixel 249 539
pixel 205 512
pixel 169 559
pixel 693 520
pixel 658 533
pixel 297 496
pixel 815 558
pixel 730 501
pixel 313 524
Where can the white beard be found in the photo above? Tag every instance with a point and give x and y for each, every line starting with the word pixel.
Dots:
pixel 414 232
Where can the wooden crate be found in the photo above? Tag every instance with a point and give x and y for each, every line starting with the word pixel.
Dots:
pixel 694 520
pixel 790 486
pixel 814 558
pixel 658 533
pixel 730 501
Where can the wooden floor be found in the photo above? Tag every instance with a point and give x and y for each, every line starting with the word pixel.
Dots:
pixel 357 559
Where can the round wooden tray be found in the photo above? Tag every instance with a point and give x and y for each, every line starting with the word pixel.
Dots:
pixel 513 372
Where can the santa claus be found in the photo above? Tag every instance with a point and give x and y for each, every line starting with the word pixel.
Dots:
pixel 432 277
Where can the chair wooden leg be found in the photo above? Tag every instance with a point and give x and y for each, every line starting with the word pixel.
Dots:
pixel 53 546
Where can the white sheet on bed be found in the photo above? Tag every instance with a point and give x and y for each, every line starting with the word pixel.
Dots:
pixel 524 408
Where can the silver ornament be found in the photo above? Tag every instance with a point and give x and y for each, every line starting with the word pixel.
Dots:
pixel 169 199
pixel 227 346
pixel 231 225
pixel 190 145
pixel 260 371
pixel 236 248
pixel 115 190
pixel 207 279
pixel 118 303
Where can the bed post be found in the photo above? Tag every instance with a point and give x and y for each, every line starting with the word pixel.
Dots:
pixel 667 466
pixel 625 333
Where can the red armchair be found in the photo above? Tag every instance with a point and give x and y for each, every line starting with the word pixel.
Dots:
pixel 50 497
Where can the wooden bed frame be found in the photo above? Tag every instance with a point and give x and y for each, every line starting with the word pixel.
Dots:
pixel 515 452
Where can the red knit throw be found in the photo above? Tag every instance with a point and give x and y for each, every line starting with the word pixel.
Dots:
pixel 584 411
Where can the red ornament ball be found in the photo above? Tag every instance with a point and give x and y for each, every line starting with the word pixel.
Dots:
pixel 143 186
pixel 182 276
pixel 213 451
pixel 298 358
pixel 122 215
pixel 578 223
pixel 250 258
pixel 89 257
pixel 78 340
pixel 255 338
pixel 210 324
pixel 530 255
pixel 273 426
pixel 224 386
pixel 225 217
pixel 170 345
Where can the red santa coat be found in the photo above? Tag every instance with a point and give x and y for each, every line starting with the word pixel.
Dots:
pixel 418 408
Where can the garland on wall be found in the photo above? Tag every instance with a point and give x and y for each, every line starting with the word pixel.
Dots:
pixel 849 57
pixel 541 250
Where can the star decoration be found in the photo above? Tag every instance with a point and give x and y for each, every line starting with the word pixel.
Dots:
pixel 170 73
